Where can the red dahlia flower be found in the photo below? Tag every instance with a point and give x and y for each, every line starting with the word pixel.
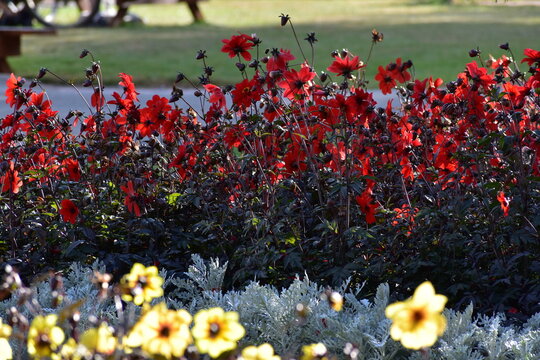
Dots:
pixel 11 181
pixel 238 45
pixel 14 87
pixel 386 80
pixel 129 86
pixel 216 96
pixel 131 199
pixel 69 211
pixel 400 72
pixel 297 82
pixel 367 206
pixel 345 66
pixel 247 92
pixel 279 60
pixel 532 56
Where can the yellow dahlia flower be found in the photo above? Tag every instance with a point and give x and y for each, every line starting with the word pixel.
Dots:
pixel 314 352
pixel 5 349
pixel 263 352
pixel 417 322
pixel 216 331
pixel 44 336
pixel 142 284
pixel 99 340
pixel 71 350
pixel 161 331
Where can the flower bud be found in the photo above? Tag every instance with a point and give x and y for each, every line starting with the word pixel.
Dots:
pixel 276 74
pixel 41 73
pixel 505 46
pixel 474 52
pixel 255 39
pixel 179 77
pixel 83 53
pixel 201 54
pixel 284 19
pixel 323 76
pixel 240 66
pixel 376 36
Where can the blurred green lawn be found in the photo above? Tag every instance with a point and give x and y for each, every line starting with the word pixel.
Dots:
pixel 435 37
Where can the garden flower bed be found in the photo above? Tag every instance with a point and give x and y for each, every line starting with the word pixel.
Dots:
pixel 289 171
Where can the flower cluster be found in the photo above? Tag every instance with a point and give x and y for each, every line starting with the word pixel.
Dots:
pixel 297 166
pixel 160 332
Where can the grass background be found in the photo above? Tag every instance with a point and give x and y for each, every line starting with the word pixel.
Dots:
pixel 435 36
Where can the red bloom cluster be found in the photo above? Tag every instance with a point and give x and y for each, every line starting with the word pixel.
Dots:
pixel 281 126
pixel 391 75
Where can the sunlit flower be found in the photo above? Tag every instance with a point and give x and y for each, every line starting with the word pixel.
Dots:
pixel 314 352
pixel 367 205
pixel 385 79
pixel 10 181
pixel 100 340
pixel 142 284
pixel 71 350
pixel 417 322
pixel 5 349
pixel 531 56
pixel 44 336
pixel 238 45
pixel 161 331
pixel 14 91
pixel 263 352
pixel 345 66
pixel 336 301
pixel 297 83
pixel 216 331
pixel 216 96
pixel 505 202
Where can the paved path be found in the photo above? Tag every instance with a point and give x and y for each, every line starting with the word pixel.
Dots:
pixel 65 98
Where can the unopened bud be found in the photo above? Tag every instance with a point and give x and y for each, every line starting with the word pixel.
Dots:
pixel 284 19
pixel 240 66
pixel 41 73
pixel 474 52
pixel 324 77
pixel 179 77
pixel 201 54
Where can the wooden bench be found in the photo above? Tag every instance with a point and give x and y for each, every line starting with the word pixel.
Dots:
pixel 123 6
pixel 10 42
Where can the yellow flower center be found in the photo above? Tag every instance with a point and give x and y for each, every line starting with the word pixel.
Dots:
pixel 417 316
pixel 43 341
pixel 143 281
pixel 165 331
pixel 214 330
